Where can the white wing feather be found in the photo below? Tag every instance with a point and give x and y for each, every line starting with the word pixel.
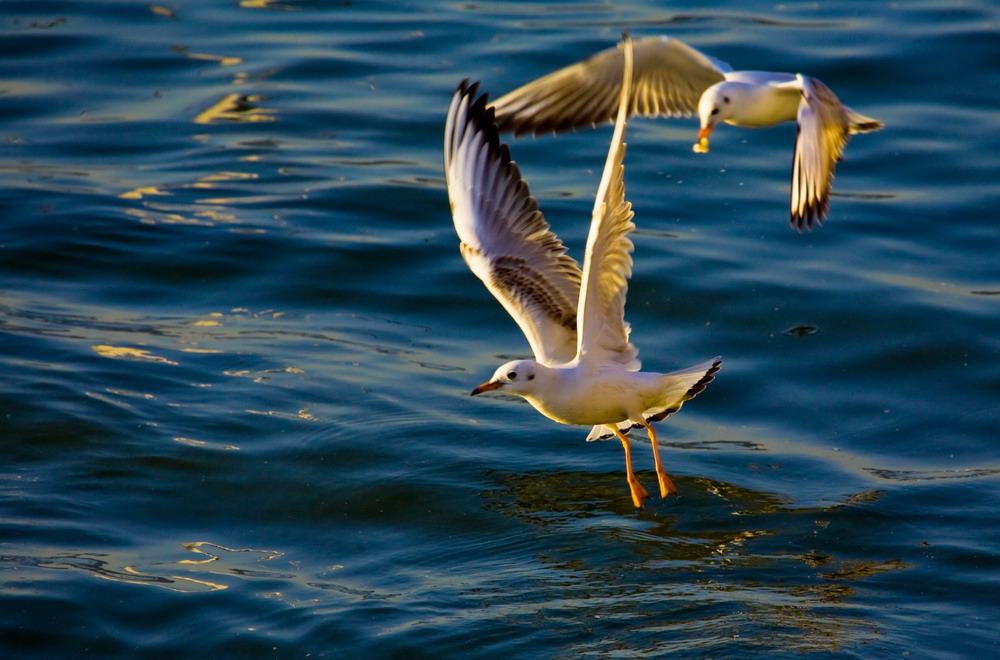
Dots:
pixel 505 239
pixel 601 327
pixel 823 130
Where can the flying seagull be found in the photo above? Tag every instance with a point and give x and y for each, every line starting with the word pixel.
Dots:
pixel 585 369
pixel 673 79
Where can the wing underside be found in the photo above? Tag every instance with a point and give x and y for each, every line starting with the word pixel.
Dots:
pixel 506 241
pixel 822 135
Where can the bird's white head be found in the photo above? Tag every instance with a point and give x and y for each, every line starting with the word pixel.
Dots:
pixel 517 377
pixel 714 107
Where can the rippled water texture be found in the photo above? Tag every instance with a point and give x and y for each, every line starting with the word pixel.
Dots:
pixel 238 341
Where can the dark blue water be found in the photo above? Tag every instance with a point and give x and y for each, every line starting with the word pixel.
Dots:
pixel 238 340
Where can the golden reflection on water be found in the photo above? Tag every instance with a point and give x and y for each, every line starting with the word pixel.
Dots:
pixel 173 583
pixel 160 10
pixel 193 214
pixel 236 107
pixel 213 572
pixel 148 217
pixel 222 60
pixel 203 212
pixel 202 444
pixel 124 352
pixel 246 199
pixel 208 180
pixel 264 4
pixel 302 415
pixel 233 107
pixel 264 374
pixel 142 191
pixel 214 552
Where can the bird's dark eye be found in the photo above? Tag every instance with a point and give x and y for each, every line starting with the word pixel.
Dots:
pixel 531 376
pixel 725 99
pixel 511 375
pixel 714 111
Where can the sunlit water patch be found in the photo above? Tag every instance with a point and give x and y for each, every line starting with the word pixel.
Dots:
pixel 238 342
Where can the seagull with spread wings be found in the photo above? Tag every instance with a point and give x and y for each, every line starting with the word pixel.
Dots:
pixel 585 369
pixel 673 79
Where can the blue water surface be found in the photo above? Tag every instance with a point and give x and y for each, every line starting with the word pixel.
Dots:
pixel 238 340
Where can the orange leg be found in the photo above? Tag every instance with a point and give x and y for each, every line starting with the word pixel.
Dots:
pixel 667 486
pixel 638 492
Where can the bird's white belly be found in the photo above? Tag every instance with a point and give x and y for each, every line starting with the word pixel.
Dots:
pixel 603 402
pixel 582 416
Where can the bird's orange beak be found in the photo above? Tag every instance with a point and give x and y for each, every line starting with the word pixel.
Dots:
pixel 705 132
pixel 486 387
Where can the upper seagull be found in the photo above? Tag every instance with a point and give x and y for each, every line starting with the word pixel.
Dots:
pixel 585 369
pixel 673 79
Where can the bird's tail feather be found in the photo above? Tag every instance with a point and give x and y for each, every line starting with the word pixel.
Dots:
pixel 601 432
pixel 678 387
pixel 859 123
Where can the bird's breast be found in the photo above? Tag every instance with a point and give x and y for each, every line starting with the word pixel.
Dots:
pixel 598 401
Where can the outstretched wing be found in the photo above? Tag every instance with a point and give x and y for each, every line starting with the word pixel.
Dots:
pixel 505 239
pixel 601 327
pixel 670 77
pixel 823 130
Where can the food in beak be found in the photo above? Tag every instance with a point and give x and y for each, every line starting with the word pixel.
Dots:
pixel 701 147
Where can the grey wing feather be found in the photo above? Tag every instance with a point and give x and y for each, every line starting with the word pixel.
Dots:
pixel 669 79
pixel 505 239
pixel 603 334
pixel 822 135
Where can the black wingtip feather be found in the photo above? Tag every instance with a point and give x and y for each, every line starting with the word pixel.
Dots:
pixel 813 215
pixel 483 117
pixel 705 380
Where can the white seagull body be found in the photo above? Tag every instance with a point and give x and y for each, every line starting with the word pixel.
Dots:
pixel 585 369
pixel 672 79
